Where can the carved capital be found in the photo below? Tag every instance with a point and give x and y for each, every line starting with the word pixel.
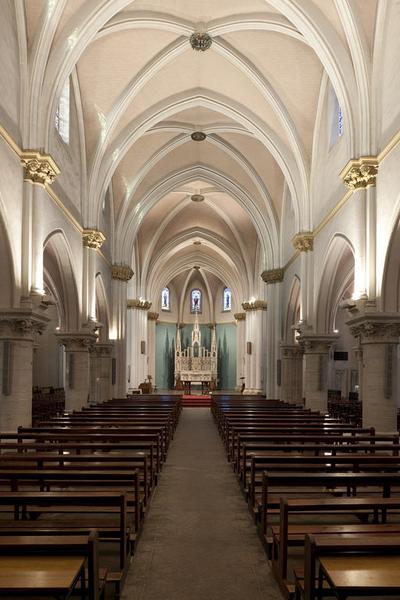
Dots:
pixel 39 168
pixel 316 343
pixel 376 328
pixel 240 316
pixel 360 173
pixel 93 238
pixel 304 242
pixel 76 341
pixel 152 316
pixel 139 303
pixel 21 324
pixel 273 276
pixel 121 272
pixel 291 351
pixel 255 305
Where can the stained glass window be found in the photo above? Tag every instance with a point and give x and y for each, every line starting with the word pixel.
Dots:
pixel 337 127
pixel 62 113
pixel 227 299
pixel 165 299
pixel 195 301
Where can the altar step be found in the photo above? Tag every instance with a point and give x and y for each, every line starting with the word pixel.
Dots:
pixel 194 400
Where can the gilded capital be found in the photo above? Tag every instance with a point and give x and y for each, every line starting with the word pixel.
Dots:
pixel 152 316
pixel 39 168
pixel 139 303
pixel 93 238
pixel 360 173
pixel 254 305
pixel 240 316
pixel 304 242
pixel 121 272
pixel 272 276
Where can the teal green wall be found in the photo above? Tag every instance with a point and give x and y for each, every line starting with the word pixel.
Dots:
pixel 226 344
pixel 165 352
pixel 165 355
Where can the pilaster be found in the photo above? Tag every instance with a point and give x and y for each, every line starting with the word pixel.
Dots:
pixel 378 338
pixel 255 334
pixel 240 319
pixel 101 356
pixel 303 242
pixel 77 372
pixel 152 318
pixel 18 331
pixel 92 240
pixel 316 348
pixel 138 348
pixel 121 275
pixel 291 373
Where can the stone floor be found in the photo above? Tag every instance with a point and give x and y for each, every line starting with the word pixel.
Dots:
pixel 199 542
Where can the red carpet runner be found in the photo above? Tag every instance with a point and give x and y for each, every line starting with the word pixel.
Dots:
pixel 194 400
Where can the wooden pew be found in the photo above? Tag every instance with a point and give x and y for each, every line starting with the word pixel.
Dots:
pixel 55 572
pixel 372 566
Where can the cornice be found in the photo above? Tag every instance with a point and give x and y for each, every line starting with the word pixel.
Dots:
pixel 360 173
pixel 139 303
pixel 272 276
pixel 304 241
pixel 121 272
pixel 93 238
pixel 255 305
pixel 39 168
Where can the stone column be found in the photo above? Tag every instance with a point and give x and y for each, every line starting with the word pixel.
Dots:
pixel 152 318
pixel 240 349
pixel 18 329
pixel 378 336
pixel 292 373
pixel 255 335
pixel 100 372
pixel 303 242
pixel 273 278
pixel 137 352
pixel 77 367
pixel 359 176
pixel 92 241
pixel 121 274
pixel 40 171
pixel 316 348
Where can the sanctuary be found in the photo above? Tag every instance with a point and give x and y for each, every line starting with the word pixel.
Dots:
pixel 195 363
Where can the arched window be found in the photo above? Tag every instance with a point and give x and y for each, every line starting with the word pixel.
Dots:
pixel 62 113
pixel 165 299
pixel 195 301
pixel 227 299
pixel 337 126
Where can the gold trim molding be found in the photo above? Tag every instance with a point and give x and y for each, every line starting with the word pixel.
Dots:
pixel 360 173
pixel 139 303
pixel 121 272
pixel 93 238
pixel 304 242
pixel 255 305
pixel 153 316
pixel 39 168
pixel 273 276
pixel 240 316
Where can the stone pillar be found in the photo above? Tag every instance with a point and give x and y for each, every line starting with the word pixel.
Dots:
pixel 18 329
pixel 303 242
pixel 100 372
pixel 359 176
pixel 292 373
pixel 121 274
pixel 137 352
pixel 152 318
pixel 40 171
pixel 240 349
pixel 92 241
pixel 273 278
pixel 255 336
pixel 316 348
pixel 77 367
pixel 378 337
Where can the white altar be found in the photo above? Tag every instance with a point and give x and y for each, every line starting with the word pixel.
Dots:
pixel 195 363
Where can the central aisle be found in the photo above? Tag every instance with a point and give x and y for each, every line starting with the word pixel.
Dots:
pixel 199 542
